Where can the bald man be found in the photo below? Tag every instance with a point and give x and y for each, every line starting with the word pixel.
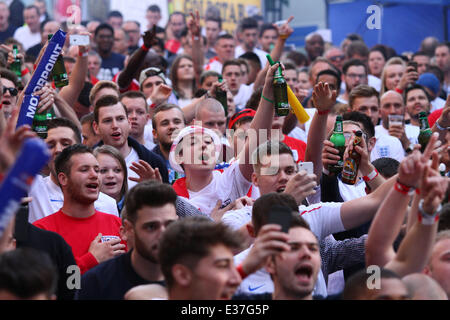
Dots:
pixel 211 115
pixel 391 103
pixel 423 287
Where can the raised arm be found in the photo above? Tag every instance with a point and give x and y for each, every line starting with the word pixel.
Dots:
pixel 284 32
pixel 262 121
pixel 71 92
pixel 358 211
pixel 324 99
pixel 379 246
pixel 198 57
pixel 136 59
pixel 416 247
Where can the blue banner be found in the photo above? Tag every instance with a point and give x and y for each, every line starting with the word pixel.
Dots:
pixel 39 78
pixel 32 158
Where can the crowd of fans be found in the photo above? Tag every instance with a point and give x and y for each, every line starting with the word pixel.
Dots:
pixel 157 190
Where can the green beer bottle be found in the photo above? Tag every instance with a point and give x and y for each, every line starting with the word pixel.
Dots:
pixel 280 94
pixel 425 131
pixel 40 122
pixel 16 66
pixel 338 139
pixel 59 73
pixel 221 96
pixel 351 164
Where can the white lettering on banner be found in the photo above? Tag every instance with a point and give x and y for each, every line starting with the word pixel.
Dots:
pixel 34 101
pixel 42 81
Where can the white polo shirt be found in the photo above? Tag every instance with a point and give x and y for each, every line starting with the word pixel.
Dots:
pixel 323 218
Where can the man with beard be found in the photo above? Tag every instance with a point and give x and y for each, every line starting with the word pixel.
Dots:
pixel 416 101
pixel 46 194
pixel 150 209
pixel 168 120
pixel 93 235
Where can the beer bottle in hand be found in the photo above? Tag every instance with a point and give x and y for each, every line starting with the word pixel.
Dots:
pixel 59 73
pixel 16 66
pixel 351 164
pixel 338 139
pixel 40 122
pixel 425 131
pixel 280 94
pixel 221 96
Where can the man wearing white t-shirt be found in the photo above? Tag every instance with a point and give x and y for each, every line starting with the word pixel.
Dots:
pixel 277 172
pixel 225 48
pixel 231 73
pixel 249 35
pixel 111 123
pixel 29 34
pixel 392 103
pixel 46 194
pixel 196 150
pixel 365 99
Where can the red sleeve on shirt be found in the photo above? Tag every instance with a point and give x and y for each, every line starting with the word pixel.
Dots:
pixel 134 85
pixel 86 262
pixel 434 116
pixel 297 145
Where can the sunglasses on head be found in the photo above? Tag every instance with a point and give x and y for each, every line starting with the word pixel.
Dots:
pixel 12 91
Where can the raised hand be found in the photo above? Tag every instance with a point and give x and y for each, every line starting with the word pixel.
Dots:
pixel 433 188
pixel 323 97
pixel 268 87
pixel 301 186
pixel 161 94
pixel 46 98
pixel 411 168
pixel 145 172
pixel 193 24
pixel 149 37
pixel 285 30
pixel 444 119
pixel 270 241
pixel 410 76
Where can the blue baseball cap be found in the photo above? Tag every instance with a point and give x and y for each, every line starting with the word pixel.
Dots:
pixel 430 81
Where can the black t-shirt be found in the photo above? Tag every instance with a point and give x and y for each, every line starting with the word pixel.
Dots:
pixel 110 280
pixel 29 236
